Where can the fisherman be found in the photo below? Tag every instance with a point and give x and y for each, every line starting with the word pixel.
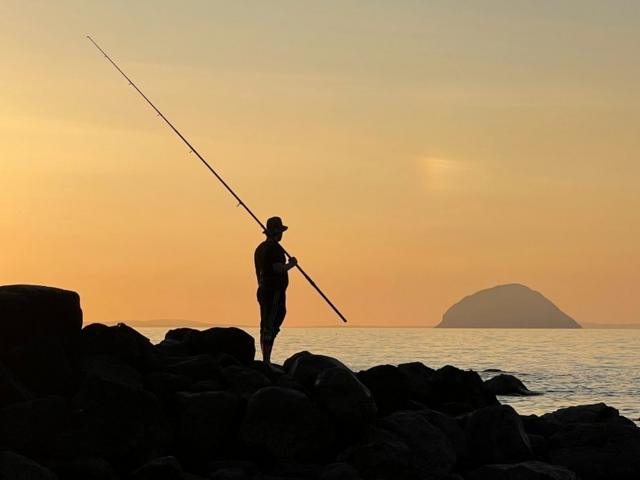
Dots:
pixel 273 279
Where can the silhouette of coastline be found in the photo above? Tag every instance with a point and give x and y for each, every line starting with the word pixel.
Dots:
pixel 103 402
pixel 506 306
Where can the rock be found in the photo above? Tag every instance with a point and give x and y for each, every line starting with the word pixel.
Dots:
pixel 339 471
pixel 382 457
pixel 535 425
pixel 162 468
pixel 120 341
pixel 124 425
pixel 305 367
pixel 506 306
pixel 596 413
pixel 10 390
pixel 597 451
pixel 112 369
pixel 17 467
pixel 30 311
pixel 456 391
pixel 43 366
pixel 87 468
pixel 431 454
pixel 346 399
pixel 504 384
pixel 389 387
pixel 521 471
pixel 164 385
pixel 31 427
pixel 283 424
pixel 418 378
pixel 451 429
pixel 218 340
pixel 207 425
pixel 244 381
pixel 180 334
pixel 196 367
pixel 496 435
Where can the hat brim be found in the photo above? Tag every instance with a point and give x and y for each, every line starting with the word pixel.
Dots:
pixel 281 229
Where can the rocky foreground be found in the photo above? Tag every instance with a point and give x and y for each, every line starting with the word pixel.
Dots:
pixel 103 403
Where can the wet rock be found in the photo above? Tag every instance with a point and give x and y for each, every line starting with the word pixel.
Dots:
pixel 531 470
pixel 29 312
pixel 207 425
pixel 43 366
pixel 31 427
pixel 120 341
pixel 389 387
pixel 305 367
pixel 451 429
pixel 10 390
pixel 504 384
pixel 456 391
pixel 535 425
pixel 496 435
pixel 597 451
pixel 17 467
pixel 164 385
pixel 431 454
pixel 346 399
pixel 596 413
pixel 285 425
pixel 162 468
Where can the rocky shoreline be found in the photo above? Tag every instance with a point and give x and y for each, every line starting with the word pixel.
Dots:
pixel 104 403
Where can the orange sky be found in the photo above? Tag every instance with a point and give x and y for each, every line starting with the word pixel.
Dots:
pixel 419 152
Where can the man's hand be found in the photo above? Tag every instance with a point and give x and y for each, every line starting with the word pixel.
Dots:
pixel 293 261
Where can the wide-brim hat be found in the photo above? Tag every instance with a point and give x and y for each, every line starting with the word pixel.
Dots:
pixel 274 225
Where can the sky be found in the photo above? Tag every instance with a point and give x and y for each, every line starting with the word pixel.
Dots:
pixel 418 151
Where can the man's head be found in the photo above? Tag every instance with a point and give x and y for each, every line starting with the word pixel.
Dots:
pixel 274 228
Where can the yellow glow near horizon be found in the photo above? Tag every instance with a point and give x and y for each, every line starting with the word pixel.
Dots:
pixel 418 152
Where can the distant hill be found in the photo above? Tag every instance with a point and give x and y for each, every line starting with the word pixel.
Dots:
pixel 166 323
pixel 506 306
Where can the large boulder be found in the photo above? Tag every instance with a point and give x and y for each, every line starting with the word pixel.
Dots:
pixel 120 341
pixel 115 421
pixel 346 399
pixel 10 390
pixel 431 454
pixel 44 366
pixel 161 468
pixel 214 341
pixel 595 413
pixel 456 391
pixel 496 435
pixel 31 427
pixel 284 424
pixel 505 384
pixel 31 311
pixel 86 468
pixel 244 381
pixel 207 425
pixel 17 467
pixel 532 470
pixel 111 368
pixel 196 367
pixel 597 451
pixel 389 386
pixel 418 380
pixel 305 367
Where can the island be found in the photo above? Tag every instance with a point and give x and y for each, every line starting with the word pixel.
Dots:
pixel 506 306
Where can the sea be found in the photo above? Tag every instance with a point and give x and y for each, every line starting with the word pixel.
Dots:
pixel 568 367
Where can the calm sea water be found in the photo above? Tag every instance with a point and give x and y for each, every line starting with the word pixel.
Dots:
pixel 570 367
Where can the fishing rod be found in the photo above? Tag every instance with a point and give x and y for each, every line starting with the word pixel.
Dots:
pixel 210 168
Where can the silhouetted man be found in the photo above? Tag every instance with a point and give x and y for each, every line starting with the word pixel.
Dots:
pixel 273 279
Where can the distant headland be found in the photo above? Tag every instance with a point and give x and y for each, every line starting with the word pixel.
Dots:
pixel 506 306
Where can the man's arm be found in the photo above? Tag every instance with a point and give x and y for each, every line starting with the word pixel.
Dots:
pixel 285 267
